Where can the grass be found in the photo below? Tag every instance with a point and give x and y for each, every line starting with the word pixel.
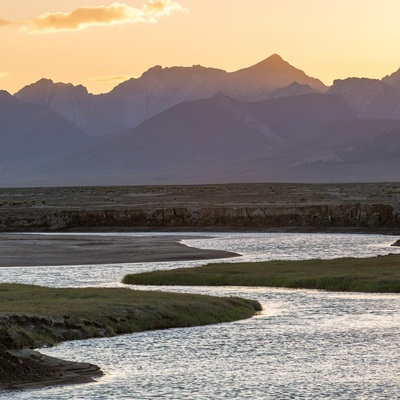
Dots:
pixel 375 274
pixel 37 316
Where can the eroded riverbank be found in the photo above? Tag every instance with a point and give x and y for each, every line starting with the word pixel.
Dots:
pixel 359 207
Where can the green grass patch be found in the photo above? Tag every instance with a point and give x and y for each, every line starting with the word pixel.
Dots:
pixel 375 274
pixel 35 316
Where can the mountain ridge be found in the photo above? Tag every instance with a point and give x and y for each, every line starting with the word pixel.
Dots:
pixel 132 102
pixel 184 124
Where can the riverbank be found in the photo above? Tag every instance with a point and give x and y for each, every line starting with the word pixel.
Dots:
pixel 375 274
pixel 33 316
pixel 359 207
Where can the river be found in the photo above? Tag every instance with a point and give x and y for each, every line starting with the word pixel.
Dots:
pixel 306 344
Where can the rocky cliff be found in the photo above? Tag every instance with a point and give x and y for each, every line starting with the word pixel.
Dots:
pixel 316 216
pixel 250 206
pixel 313 216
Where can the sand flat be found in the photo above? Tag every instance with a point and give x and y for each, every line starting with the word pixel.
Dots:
pixel 52 250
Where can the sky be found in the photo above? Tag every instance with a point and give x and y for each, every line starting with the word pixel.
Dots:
pixel 100 43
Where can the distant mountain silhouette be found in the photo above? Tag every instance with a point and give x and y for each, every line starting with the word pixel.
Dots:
pixel 138 99
pixel 32 132
pixel 370 98
pixel 268 122
pixel 201 134
pixel 270 74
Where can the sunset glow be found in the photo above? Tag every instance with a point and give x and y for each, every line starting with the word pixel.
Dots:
pixel 98 44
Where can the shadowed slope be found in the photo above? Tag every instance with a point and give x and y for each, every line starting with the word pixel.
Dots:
pixel 29 131
pixel 203 134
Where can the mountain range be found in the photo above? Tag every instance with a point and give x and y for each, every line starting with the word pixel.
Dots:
pixel 268 122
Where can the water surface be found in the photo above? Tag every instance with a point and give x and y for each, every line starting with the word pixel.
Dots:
pixel 253 247
pixel 305 345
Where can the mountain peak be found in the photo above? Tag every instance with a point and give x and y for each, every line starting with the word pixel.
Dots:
pixel 275 58
pixel 49 83
pixel 272 62
pixel 48 87
pixel 152 71
pixel 6 97
pixel 5 94
pixel 274 72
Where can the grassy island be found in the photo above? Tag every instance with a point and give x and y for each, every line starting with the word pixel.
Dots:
pixel 375 274
pixel 33 316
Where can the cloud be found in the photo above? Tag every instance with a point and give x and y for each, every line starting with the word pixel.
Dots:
pixel 5 22
pixel 116 13
pixel 113 78
pixel 163 7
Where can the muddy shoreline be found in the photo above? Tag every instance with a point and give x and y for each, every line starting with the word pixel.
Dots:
pixel 29 369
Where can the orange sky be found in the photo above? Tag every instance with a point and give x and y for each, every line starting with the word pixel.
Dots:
pixel 99 43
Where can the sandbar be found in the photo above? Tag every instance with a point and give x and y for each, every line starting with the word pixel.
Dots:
pixel 17 250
